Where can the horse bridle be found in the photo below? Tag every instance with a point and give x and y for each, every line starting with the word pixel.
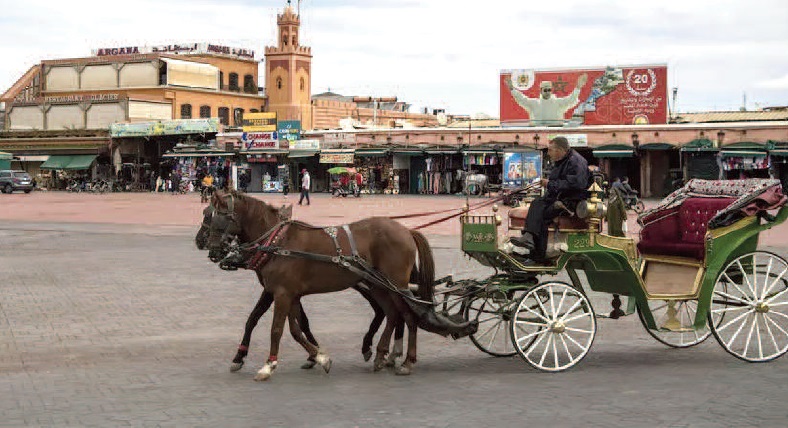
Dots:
pixel 233 227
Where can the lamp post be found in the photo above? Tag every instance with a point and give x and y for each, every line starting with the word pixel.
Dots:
pixel 635 141
pixel 536 141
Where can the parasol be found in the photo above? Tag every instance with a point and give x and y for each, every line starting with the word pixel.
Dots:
pixel 341 170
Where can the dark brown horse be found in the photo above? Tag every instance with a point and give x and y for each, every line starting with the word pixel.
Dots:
pixel 386 246
pixel 266 299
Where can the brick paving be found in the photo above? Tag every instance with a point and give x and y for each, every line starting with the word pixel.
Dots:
pixel 110 317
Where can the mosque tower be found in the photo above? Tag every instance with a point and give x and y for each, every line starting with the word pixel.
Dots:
pixel 288 72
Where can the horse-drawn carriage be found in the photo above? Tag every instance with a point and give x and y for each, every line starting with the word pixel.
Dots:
pixel 696 271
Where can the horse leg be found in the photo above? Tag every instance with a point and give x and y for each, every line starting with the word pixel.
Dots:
pixel 303 323
pixel 399 331
pixel 314 353
pixel 383 343
pixel 243 349
pixel 407 366
pixel 366 344
pixel 282 305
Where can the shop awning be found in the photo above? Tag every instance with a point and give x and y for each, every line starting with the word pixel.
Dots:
pixel 656 146
pixel 196 154
pixel 6 156
pixel 301 153
pixel 614 151
pixel 478 151
pixel 69 162
pixel 779 152
pixel 409 152
pixel 699 145
pixel 264 151
pixel 371 152
pixel 441 151
pixel 742 153
pixel 32 158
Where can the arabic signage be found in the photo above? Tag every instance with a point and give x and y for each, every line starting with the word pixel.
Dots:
pixel 591 96
pixel 164 127
pixel 259 122
pixel 260 140
pixel 305 145
pixel 522 167
pixel 180 48
pixel 289 130
pixel 575 140
pixel 339 137
pixel 335 157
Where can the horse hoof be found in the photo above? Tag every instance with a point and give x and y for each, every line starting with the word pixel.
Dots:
pixel 378 366
pixel 308 365
pixel 391 361
pixel 402 371
pixel 261 377
pixel 367 355
pixel 265 372
pixel 234 367
pixel 324 361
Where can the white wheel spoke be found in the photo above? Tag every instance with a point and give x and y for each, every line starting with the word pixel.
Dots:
pixel 774 305
pixel 741 326
pixel 728 296
pixel 769 330
pixel 779 314
pixel 766 277
pixel 749 334
pixel 568 320
pixel 572 309
pixel 555 352
pixel 552 302
pixel 561 303
pixel 494 335
pixel 538 315
pixel 755 275
pixel 546 349
pixel 779 277
pixel 690 319
pixel 571 339
pixel 723 327
pixel 730 308
pixel 541 306
pixel 530 335
pixel 733 283
pixel 741 269
pixel 566 348
pixel 579 330
pixel 771 299
pixel 777 325
pixel 539 324
pixel 479 336
pixel 758 336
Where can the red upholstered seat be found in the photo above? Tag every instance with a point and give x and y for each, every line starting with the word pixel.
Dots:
pixel 680 231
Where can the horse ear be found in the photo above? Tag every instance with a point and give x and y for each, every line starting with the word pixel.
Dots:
pixel 286 212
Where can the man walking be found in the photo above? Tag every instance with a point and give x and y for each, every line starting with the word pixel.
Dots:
pixel 305 182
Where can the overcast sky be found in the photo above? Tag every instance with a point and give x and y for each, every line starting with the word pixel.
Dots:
pixel 441 53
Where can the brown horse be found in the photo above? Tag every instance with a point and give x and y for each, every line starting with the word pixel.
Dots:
pixel 386 246
pixel 266 299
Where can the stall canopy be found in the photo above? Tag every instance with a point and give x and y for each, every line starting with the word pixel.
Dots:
pixel 614 151
pixel 69 162
pixel 371 152
pixel 778 148
pixel 301 153
pixel 656 146
pixel 5 160
pixel 744 149
pixel 699 145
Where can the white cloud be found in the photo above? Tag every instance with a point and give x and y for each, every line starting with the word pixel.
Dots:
pixel 440 53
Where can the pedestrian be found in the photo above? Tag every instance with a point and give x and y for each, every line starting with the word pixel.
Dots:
pixel 153 182
pixel 305 182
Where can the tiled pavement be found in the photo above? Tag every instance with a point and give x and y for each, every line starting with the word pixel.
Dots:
pixel 125 323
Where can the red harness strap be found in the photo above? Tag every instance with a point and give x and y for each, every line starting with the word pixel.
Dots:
pixel 261 257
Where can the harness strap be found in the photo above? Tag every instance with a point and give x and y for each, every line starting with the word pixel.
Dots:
pixel 332 232
pixel 352 241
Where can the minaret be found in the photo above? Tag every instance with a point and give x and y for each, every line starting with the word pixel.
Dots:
pixel 288 72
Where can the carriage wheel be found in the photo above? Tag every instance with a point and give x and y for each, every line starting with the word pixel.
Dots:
pixel 553 327
pixel 750 301
pixel 493 312
pixel 678 315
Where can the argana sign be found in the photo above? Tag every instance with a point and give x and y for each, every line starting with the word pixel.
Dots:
pixel 180 48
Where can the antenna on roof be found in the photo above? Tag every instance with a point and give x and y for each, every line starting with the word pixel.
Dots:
pixel 743 102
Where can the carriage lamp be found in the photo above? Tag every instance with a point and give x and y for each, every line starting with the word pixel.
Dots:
pixel 593 208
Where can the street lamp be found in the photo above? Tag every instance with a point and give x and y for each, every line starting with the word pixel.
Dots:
pixel 635 141
pixel 536 141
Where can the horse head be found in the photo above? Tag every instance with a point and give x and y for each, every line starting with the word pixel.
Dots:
pixel 201 239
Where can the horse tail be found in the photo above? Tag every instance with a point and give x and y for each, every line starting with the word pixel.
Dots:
pixel 426 267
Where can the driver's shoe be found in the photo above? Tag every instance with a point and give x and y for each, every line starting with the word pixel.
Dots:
pixel 526 240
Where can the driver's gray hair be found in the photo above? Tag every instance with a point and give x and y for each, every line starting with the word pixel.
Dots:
pixel 560 142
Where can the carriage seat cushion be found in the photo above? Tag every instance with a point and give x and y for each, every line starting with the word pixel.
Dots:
pixel 681 231
pixel 564 222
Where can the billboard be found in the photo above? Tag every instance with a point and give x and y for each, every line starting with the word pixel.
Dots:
pixel 164 127
pixel 521 167
pixel 259 122
pixel 585 96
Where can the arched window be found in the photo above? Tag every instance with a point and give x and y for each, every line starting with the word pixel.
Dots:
pixel 284 39
pixel 234 82
pixel 224 116
pixel 249 86
pixel 238 117
pixel 294 41
pixel 302 84
pixel 205 112
pixel 186 111
pixel 278 83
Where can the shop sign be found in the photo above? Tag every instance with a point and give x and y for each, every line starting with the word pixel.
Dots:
pixel 260 140
pixel 164 127
pixel 339 137
pixel 305 145
pixel 179 48
pixel 575 140
pixel 289 130
pixel 336 157
pixel 259 122
pixel 262 159
pixel 521 167
pixel 81 98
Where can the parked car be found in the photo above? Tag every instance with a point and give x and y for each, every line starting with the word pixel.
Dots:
pixel 15 180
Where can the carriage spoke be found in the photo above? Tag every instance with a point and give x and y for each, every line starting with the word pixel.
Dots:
pixel 530 323
pixel 777 325
pixel 544 311
pixel 546 348
pixel 571 310
pixel 538 315
pixel 566 348
pixel 555 352
pixel 766 277
pixel 758 336
pixel 749 335
pixel 776 296
pixel 746 278
pixel 487 331
pixel 579 330
pixel 723 327
pixel 572 339
pixel 561 302
pixel 530 335
pixel 552 302
pixel 568 320
pixel 735 335
pixel 766 291
pixel 728 296
pixel 733 283
pixel 769 330
pixel 779 314
pixel 729 308
pixel 542 334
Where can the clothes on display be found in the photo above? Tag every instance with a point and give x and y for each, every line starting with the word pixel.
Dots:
pixel 440 176
pixel 745 163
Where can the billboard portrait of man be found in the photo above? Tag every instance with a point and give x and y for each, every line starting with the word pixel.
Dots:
pixel 547 109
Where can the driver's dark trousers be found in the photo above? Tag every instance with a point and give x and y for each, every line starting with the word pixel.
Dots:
pixel 540 214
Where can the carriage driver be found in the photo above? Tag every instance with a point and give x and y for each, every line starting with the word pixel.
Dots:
pixel 567 183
